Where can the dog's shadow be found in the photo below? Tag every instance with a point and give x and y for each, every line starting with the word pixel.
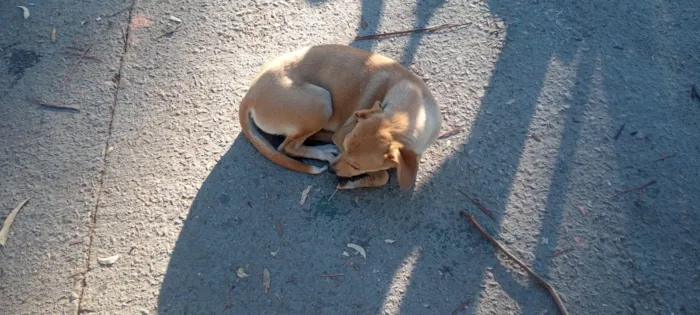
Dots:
pixel 247 214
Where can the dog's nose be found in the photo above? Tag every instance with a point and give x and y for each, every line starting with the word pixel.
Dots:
pixel 331 169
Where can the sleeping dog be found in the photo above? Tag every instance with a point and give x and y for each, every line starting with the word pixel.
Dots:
pixel 373 113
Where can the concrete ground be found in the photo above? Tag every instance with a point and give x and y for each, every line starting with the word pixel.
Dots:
pixel 560 104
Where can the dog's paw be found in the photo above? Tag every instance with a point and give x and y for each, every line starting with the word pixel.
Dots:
pixel 330 149
pixel 348 184
pixel 351 182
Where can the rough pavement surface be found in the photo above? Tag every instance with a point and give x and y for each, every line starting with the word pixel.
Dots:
pixel 53 156
pixel 559 105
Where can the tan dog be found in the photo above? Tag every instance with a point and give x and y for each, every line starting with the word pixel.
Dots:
pixel 376 111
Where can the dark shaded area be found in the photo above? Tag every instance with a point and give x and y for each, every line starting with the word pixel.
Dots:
pixel 637 72
pixel 641 259
pixel 369 23
pixel 19 60
pixel 424 13
pixel 370 20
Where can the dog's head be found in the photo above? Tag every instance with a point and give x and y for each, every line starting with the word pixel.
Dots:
pixel 368 143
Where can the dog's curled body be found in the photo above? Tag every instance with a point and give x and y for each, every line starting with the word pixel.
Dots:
pixel 378 113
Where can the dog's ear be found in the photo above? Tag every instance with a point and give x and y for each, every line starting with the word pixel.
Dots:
pixel 407 165
pixel 365 113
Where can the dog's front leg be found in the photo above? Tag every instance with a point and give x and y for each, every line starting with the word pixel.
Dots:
pixel 373 179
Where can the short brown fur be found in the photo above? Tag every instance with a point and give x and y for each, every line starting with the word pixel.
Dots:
pixel 378 114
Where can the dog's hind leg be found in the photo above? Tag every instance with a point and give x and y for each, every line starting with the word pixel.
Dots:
pixel 309 120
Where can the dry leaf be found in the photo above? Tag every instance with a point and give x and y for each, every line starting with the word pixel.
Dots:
pixel 359 249
pixel 266 280
pixel 174 19
pixel 278 227
pixel 275 252
pixel 346 254
pixel 357 200
pixel 53 35
pixel 304 195
pixel 8 221
pixel 26 11
pixel 388 241
pixel 107 261
pixel 240 272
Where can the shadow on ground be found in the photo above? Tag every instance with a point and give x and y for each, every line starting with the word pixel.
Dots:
pixel 625 270
pixel 370 20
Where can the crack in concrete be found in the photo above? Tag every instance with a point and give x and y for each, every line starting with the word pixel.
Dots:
pixel 105 153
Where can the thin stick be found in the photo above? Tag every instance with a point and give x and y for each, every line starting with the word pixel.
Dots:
pixel 8 222
pixel 169 33
pixel 228 294
pixel 449 133
pixel 67 77
pixel 427 29
pixel 459 308
pixel 78 53
pixel 334 275
pixel 560 252
pixel 333 194
pixel 480 206
pixel 52 105
pixel 667 156
pixel 619 131
pixel 640 187
pixel 496 244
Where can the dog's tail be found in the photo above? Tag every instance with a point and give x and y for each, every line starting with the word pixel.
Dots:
pixel 266 149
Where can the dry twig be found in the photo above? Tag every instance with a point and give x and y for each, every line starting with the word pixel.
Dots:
pixel 335 276
pixel 52 105
pixel 170 33
pixel 619 132
pixel 560 252
pixel 79 273
pixel 80 53
pixel 449 133
pixel 636 188
pixel 67 77
pixel 419 30
pixel 667 156
pixel 480 206
pixel 333 194
pixel 228 294
pixel 496 244
pixel 459 308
